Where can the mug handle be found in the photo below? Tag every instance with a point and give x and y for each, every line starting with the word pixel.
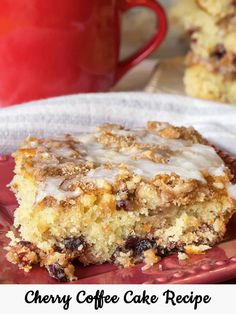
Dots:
pixel 153 43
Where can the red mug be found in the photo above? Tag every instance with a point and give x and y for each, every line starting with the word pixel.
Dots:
pixel 58 47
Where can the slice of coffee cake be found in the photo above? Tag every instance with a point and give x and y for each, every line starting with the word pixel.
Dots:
pixel 211 61
pixel 117 195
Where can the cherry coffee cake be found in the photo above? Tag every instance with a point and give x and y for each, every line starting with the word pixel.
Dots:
pixel 211 62
pixel 117 195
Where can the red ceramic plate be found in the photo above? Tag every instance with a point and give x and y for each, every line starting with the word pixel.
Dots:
pixel 216 265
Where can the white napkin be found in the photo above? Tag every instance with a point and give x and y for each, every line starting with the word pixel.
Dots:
pixel 71 114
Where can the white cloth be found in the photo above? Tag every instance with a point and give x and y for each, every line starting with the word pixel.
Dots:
pixel 71 114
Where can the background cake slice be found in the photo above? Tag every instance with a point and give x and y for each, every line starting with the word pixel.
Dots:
pixel 117 195
pixel 211 61
pixel 218 8
pixel 202 83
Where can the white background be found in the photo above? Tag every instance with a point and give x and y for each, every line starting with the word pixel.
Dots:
pixel 12 299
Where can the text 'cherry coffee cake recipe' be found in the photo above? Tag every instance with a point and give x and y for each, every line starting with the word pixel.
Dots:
pixel 117 195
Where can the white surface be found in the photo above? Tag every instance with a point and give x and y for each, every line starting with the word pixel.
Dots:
pixel 206 299
pixel 71 114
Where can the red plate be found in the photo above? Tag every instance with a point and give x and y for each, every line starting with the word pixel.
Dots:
pixel 216 265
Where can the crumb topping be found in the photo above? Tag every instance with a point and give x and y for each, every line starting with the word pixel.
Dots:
pixel 167 160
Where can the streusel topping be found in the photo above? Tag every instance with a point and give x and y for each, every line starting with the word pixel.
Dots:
pixel 66 166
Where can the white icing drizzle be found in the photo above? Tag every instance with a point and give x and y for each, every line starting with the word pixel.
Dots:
pixel 127 132
pixel 51 187
pixel 189 164
pixel 96 153
pixel 231 189
pixel 157 140
pixel 189 161
pixel 65 152
pixel 102 173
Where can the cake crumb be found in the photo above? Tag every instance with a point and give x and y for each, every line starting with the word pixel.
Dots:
pixel 182 256
pixel 196 249
pixel 150 258
pixel 124 259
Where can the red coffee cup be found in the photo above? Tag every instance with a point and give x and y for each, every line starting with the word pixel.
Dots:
pixel 59 47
